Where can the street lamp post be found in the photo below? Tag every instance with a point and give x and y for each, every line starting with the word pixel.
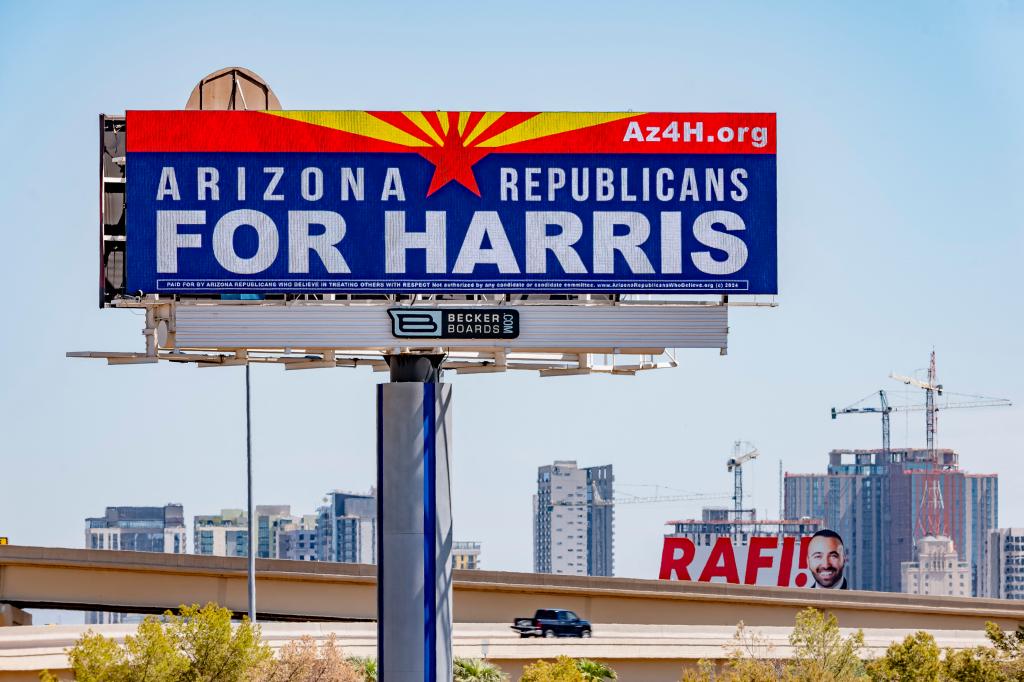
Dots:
pixel 252 517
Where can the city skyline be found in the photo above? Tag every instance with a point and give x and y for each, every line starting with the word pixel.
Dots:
pixel 892 227
pixel 280 533
pixel 565 514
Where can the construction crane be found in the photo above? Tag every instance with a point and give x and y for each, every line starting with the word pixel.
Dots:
pixel 782 507
pixel 931 407
pixel 599 501
pixel 884 409
pixel 735 466
pixel 930 520
pixel 931 387
pixel 931 515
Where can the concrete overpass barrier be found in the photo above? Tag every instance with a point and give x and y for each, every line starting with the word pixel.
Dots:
pixel 639 653
pixel 308 591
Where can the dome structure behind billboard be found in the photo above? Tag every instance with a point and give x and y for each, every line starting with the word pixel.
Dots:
pixel 231 89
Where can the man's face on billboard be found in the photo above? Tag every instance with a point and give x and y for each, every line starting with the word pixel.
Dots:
pixel 826 558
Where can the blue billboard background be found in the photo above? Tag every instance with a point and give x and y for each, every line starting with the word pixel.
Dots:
pixel 363 246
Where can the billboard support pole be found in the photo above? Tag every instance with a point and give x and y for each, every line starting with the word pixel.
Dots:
pixel 414 522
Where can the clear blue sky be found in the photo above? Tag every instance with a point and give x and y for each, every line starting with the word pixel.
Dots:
pixel 900 162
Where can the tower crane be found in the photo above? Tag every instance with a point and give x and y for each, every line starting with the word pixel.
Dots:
pixel 931 387
pixel 931 407
pixel 735 465
pixel 931 516
pixel 930 519
pixel 885 409
pixel 599 501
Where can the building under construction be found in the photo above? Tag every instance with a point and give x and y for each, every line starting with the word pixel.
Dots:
pixel 716 522
pixel 882 502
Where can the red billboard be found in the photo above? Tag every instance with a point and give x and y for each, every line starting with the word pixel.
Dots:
pixel 815 561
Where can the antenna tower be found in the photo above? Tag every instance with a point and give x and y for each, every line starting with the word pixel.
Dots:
pixel 781 506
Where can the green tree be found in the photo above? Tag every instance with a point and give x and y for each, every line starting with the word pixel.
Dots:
pixel 751 658
pixel 752 670
pixel 216 652
pixel 979 664
pixel 365 666
pixel 1009 648
pixel 595 671
pixel 148 656
pixel 915 659
pixel 704 672
pixel 820 652
pixel 475 670
pixel 197 645
pixel 94 658
pixel 562 670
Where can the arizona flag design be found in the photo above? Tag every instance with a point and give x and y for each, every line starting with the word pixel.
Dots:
pixel 450 201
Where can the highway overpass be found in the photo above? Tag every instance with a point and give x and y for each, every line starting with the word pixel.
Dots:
pixel 38 577
pixel 649 625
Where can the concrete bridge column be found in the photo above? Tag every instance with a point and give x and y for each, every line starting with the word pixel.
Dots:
pixel 12 615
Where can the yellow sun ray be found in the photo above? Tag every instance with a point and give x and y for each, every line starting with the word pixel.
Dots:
pixel 552 123
pixel 355 122
pixel 421 122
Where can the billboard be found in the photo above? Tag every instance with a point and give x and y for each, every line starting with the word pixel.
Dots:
pixel 450 202
pixel 815 561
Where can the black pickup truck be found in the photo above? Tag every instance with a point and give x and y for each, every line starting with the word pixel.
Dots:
pixel 552 623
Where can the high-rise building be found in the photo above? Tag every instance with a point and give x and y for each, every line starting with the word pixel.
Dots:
pixel 466 555
pixel 138 529
pixel 882 504
pixel 296 540
pixel 224 534
pixel 574 519
pixel 269 519
pixel 600 520
pixel 1004 574
pixel 937 571
pixel 981 507
pixel 227 533
pixel 346 528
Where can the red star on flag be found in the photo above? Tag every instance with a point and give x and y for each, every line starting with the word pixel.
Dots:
pixel 453 161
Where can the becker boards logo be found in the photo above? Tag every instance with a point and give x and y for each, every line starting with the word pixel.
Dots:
pixel 454 323
pixel 412 323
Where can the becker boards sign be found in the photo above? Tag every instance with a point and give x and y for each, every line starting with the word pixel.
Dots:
pixel 450 202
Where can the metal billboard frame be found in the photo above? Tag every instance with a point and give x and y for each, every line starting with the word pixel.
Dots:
pixel 605 337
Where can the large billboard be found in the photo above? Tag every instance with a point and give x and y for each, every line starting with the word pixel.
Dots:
pixel 450 202
pixel 814 561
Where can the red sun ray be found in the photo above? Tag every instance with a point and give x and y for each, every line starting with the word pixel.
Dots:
pixel 434 119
